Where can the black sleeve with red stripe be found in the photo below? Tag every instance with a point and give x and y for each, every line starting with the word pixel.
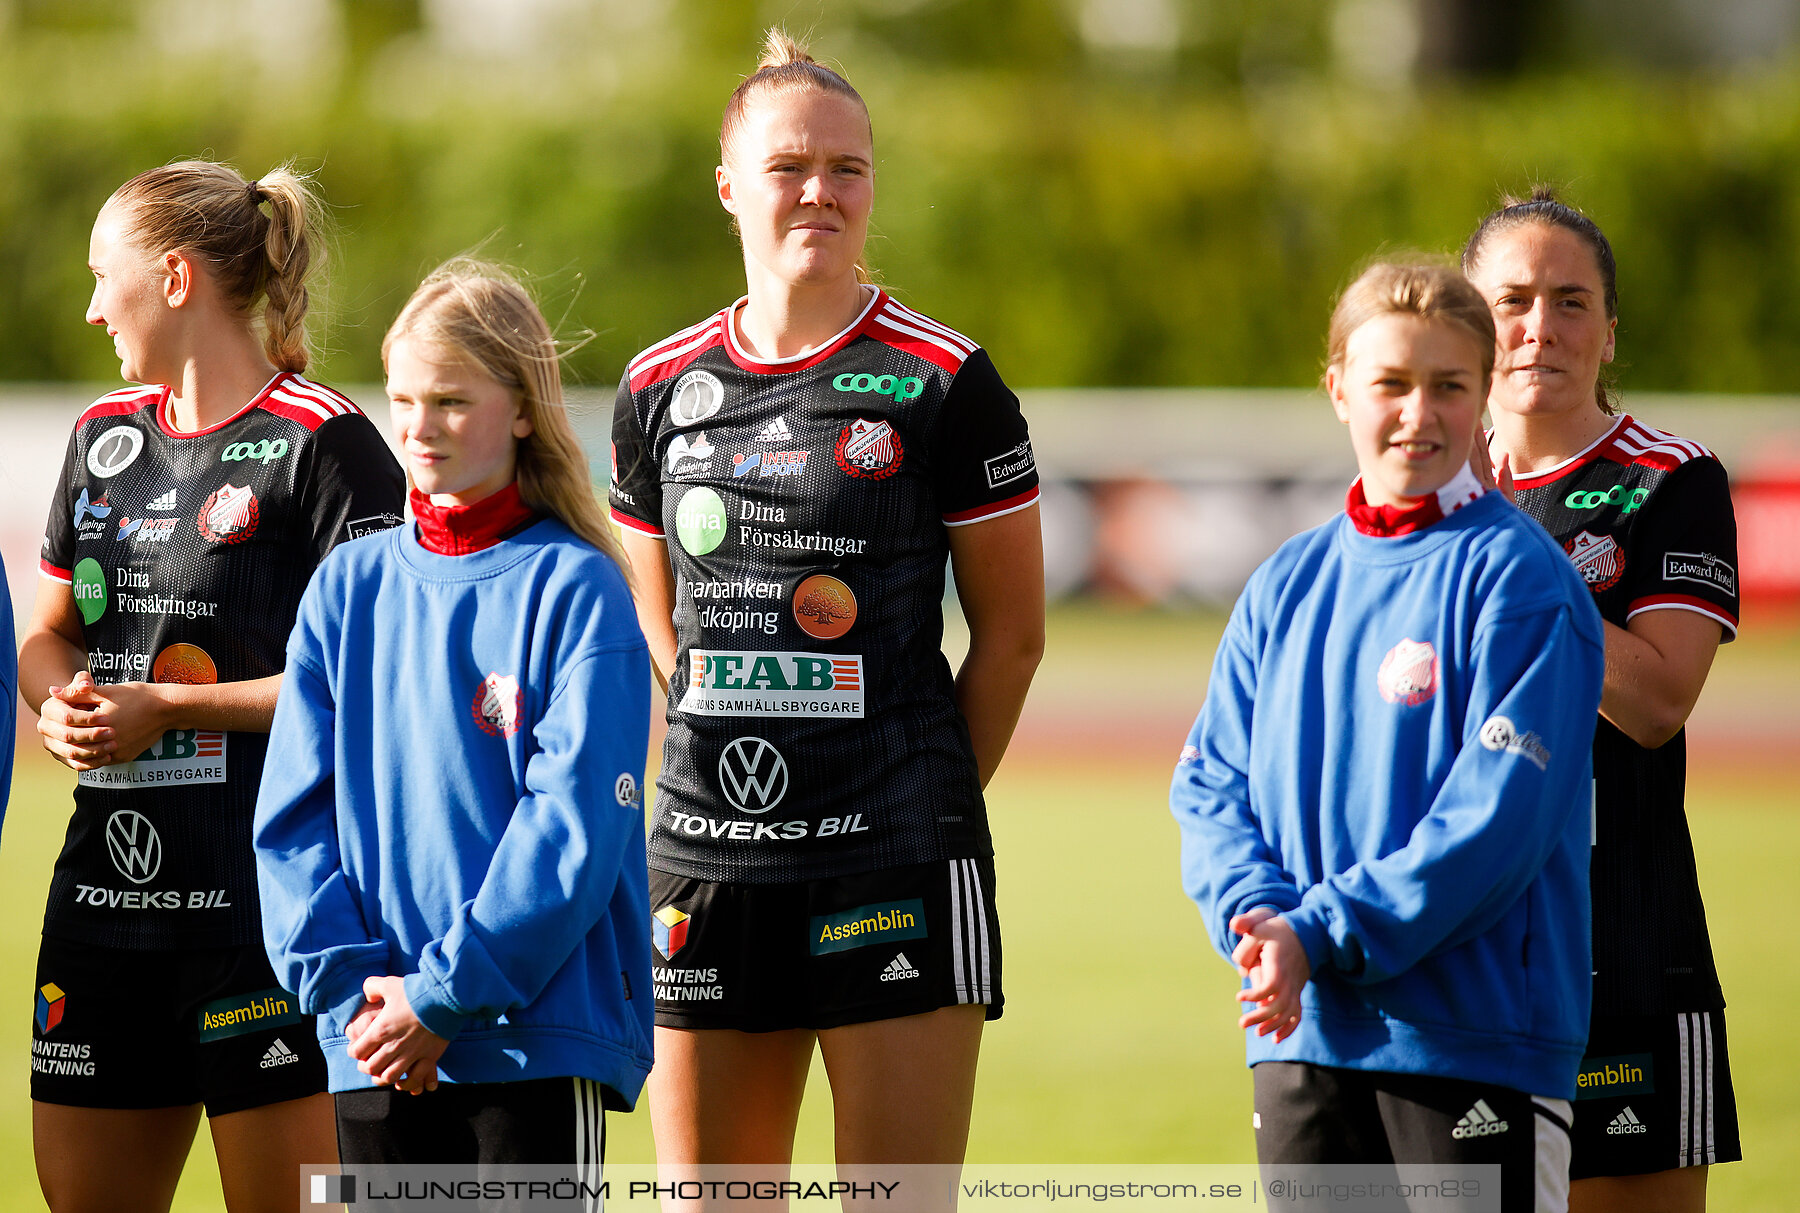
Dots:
pixel 981 457
pixel 356 488
pixel 1684 548
pixel 635 494
pixel 56 559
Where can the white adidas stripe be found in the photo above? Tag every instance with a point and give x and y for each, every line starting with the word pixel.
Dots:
pixel 901 311
pixel 674 347
pixel 889 322
pixel 318 410
pixel 337 402
pixel 590 1140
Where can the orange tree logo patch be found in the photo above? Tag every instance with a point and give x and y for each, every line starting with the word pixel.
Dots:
pixel 824 607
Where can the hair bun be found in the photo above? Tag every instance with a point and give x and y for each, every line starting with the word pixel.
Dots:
pixel 780 49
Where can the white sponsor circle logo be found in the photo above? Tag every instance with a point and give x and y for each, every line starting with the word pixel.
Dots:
pixel 115 450
pixel 625 790
pixel 753 775
pixel 698 395
pixel 740 683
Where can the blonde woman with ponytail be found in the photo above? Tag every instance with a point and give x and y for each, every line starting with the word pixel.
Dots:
pixel 457 888
pixel 792 475
pixel 190 511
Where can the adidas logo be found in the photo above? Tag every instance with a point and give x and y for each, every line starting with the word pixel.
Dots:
pixel 278 1055
pixel 1626 1122
pixel 899 969
pixel 776 431
pixel 1479 1121
pixel 163 503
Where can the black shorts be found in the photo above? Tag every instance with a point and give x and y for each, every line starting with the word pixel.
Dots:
pixel 114 1028
pixel 825 953
pixel 1307 1114
pixel 539 1122
pixel 1654 1095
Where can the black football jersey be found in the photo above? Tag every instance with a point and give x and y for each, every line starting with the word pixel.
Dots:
pixel 806 505
pixel 187 554
pixel 1647 519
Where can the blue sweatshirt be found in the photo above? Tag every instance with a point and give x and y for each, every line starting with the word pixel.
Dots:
pixel 1394 753
pixel 452 794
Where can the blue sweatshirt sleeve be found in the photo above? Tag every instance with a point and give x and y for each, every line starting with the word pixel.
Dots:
pixel 1226 865
pixel 9 689
pixel 313 926
pixel 560 856
pixel 1522 770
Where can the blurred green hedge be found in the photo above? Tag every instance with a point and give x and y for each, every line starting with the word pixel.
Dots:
pixel 1090 228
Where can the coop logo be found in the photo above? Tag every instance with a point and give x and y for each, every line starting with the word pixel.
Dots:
pixel 700 521
pixel 669 931
pixel 753 775
pixel 824 607
pixel 1502 736
pixel 1618 494
pixel 1409 673
pixel 738 683
pixel 115 450
pixel 89 585
pixel 498 704
pixel 1702 567
pixel 182 756
pixel 1010 465
pixel 858 928
pixel 1604 1077
pixel 134 845
pixel 264 451
pixel 698 395
pixel 1598 559
pixel 902 390
pixel 868 449
pixel 229 515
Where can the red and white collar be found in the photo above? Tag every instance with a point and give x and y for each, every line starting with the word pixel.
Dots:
pixel 1387 521
pixel 458 530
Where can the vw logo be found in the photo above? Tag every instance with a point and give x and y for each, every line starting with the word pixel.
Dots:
pixel 115 450
pixel 698 395
pixel 753 775
pixel 136 850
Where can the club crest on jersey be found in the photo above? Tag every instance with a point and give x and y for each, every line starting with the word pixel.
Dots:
pixel 229 515
pixel 498 705
pixel 1598 559
pixel 698 395
pixel 868 449
pixel 1409 673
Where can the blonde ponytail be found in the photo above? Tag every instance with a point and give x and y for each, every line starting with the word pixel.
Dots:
pixel 211 212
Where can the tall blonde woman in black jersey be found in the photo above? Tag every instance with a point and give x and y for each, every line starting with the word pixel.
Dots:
pixel 791 474
pixel 191 510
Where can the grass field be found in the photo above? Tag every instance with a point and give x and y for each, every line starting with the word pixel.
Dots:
pixel 1117 1044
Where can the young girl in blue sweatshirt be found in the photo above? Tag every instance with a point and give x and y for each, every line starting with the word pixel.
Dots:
pixel 449 838
pixel 1384 804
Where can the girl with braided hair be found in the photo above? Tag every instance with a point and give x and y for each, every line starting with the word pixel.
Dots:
pixel 191 510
